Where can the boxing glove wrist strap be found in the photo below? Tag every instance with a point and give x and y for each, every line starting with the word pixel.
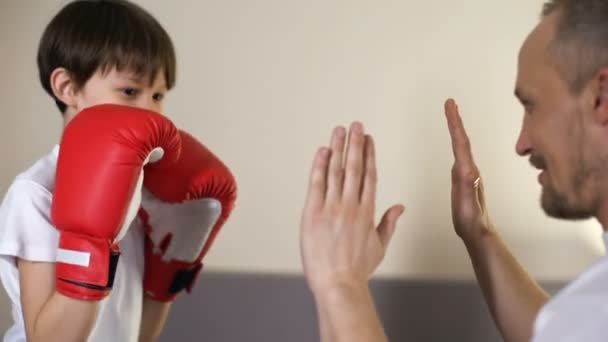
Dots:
pixel 85 264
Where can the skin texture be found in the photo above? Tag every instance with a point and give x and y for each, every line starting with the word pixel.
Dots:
pixel 340 243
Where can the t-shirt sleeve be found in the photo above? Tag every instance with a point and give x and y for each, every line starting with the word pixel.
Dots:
pixel 26 231
pixel 582 318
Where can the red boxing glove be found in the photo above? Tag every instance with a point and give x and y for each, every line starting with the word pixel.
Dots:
pixel 183 209
pixel 98 190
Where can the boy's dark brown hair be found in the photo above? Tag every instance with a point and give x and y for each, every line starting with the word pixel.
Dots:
pixel 90 35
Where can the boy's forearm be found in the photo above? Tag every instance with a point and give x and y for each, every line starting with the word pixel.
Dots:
pixel 513 296
pixel 64 319
pixel 347 313
pixel 154 316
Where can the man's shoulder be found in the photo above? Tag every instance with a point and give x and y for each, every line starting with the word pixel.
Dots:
pixel 592 282
pixel 579 309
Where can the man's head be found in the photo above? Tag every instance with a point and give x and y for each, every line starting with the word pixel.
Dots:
pixel 562 83
pixel 112 51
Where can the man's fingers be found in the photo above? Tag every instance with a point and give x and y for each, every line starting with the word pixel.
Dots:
pixel 461 145
pixel 353 177
pixel 388 224
pixel 465 175
pixel 370 181
pixel 480 195
pixel 464 183
pixel 317 185
pixel 335 176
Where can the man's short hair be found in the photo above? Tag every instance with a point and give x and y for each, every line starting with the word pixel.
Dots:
pixel 580 47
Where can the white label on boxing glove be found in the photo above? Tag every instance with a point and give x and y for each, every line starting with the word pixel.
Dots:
pixel 70 257
pixel 189 224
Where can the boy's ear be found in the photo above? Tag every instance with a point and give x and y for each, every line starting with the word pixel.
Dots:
pixel 63 86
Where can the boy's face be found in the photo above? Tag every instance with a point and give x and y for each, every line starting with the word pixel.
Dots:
pixel 122 88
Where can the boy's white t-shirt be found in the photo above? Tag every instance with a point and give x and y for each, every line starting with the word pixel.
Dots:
pixel 26 232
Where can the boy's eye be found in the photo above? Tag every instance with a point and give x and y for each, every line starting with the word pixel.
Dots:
pixel 158 97
pixel 129 91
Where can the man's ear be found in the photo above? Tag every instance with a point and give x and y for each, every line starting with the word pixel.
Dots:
pixel 601 97
pixel 63 86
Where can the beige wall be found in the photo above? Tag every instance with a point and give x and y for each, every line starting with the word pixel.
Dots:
pixel 263 82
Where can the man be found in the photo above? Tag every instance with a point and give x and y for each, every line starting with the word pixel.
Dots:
pixel 562 83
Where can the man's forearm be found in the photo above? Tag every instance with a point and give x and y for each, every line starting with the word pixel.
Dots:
pixel 347 313
pixel 514 298
pixel 154 316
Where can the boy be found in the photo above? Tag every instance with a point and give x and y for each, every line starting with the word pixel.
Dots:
pixel 92 52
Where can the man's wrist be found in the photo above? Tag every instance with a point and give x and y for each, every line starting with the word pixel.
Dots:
pixel 479 236
pixel 341 290
pixel 482 241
